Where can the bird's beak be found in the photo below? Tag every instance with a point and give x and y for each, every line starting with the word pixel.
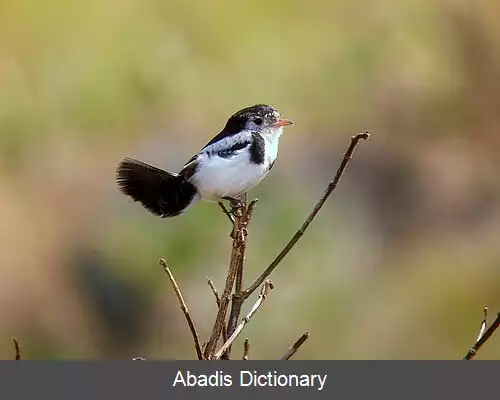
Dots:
pixel 282 122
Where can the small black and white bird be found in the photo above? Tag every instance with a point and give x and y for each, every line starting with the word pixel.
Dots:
pixel 231 164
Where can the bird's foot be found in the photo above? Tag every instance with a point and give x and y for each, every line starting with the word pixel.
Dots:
pixel 236 211
pixel 226 212
pixel 235 203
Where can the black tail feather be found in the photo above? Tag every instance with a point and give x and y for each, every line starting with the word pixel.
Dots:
pixel 160 192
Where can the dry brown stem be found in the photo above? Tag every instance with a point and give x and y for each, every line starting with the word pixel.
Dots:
pixel 217 299
pixel 237 300
pixel 296 346
pixel 184 308
pixel 17 348
pixel 484 334
pixel 246 349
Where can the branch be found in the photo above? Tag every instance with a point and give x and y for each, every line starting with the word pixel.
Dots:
pixel 249 212
pixel 17 347
pixel 238 285
pixel 183 308
pixel 246 349
pixel 238 297
pixel 483 337
pixel 217 299
pixel 236 255
pixel 214 291
pixel 265 289
pixel 484 324
pixel 295 347
pixel 331 187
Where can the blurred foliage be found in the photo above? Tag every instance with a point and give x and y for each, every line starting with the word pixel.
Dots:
pixel 401 260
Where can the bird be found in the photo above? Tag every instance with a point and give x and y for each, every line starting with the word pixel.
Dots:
pixel 226 168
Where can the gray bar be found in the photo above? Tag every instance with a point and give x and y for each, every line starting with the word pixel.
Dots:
pixel 123 380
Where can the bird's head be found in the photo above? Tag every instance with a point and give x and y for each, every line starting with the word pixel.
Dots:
pixel 258 118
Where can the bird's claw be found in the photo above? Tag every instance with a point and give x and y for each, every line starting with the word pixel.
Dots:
pixel 235 203
pixel 236 211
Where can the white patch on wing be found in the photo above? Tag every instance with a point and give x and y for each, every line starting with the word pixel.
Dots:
pixel 227 142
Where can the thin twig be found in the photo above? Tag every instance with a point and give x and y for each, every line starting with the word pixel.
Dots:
pixel 214 291
pixel 484 324
pixel 183 308
pixel 246 349
pixel 482 340
pixel 236 254
pixel 262 297
pixel 217 299
pixel 331 187
pixel 295 347
pixel 17 347
pixel 249 212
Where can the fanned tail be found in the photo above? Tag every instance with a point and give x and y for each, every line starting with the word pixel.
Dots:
pixel 160 192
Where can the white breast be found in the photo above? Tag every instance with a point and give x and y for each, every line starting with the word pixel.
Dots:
pixel 218 177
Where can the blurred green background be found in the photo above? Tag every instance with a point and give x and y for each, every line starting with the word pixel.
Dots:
pixel 403 256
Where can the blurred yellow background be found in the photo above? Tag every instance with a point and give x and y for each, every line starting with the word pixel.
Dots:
pixel 399 263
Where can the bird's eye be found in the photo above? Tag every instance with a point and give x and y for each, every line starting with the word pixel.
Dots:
pixel 258 121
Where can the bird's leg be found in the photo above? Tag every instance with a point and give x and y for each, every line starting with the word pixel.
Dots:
pixel 229 215
pixel 236 205
pixel 226 212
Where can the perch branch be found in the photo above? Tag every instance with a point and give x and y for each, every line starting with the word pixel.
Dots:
pixel 484 337
pixel 296 346
pixel 183 308
pixel 238 299
pixel 217 299
pixel 236 255
pixel 331 187
pixel 238 288
pixel 238 285
pixel 265 289
pixel 17 347
pixel 246 349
